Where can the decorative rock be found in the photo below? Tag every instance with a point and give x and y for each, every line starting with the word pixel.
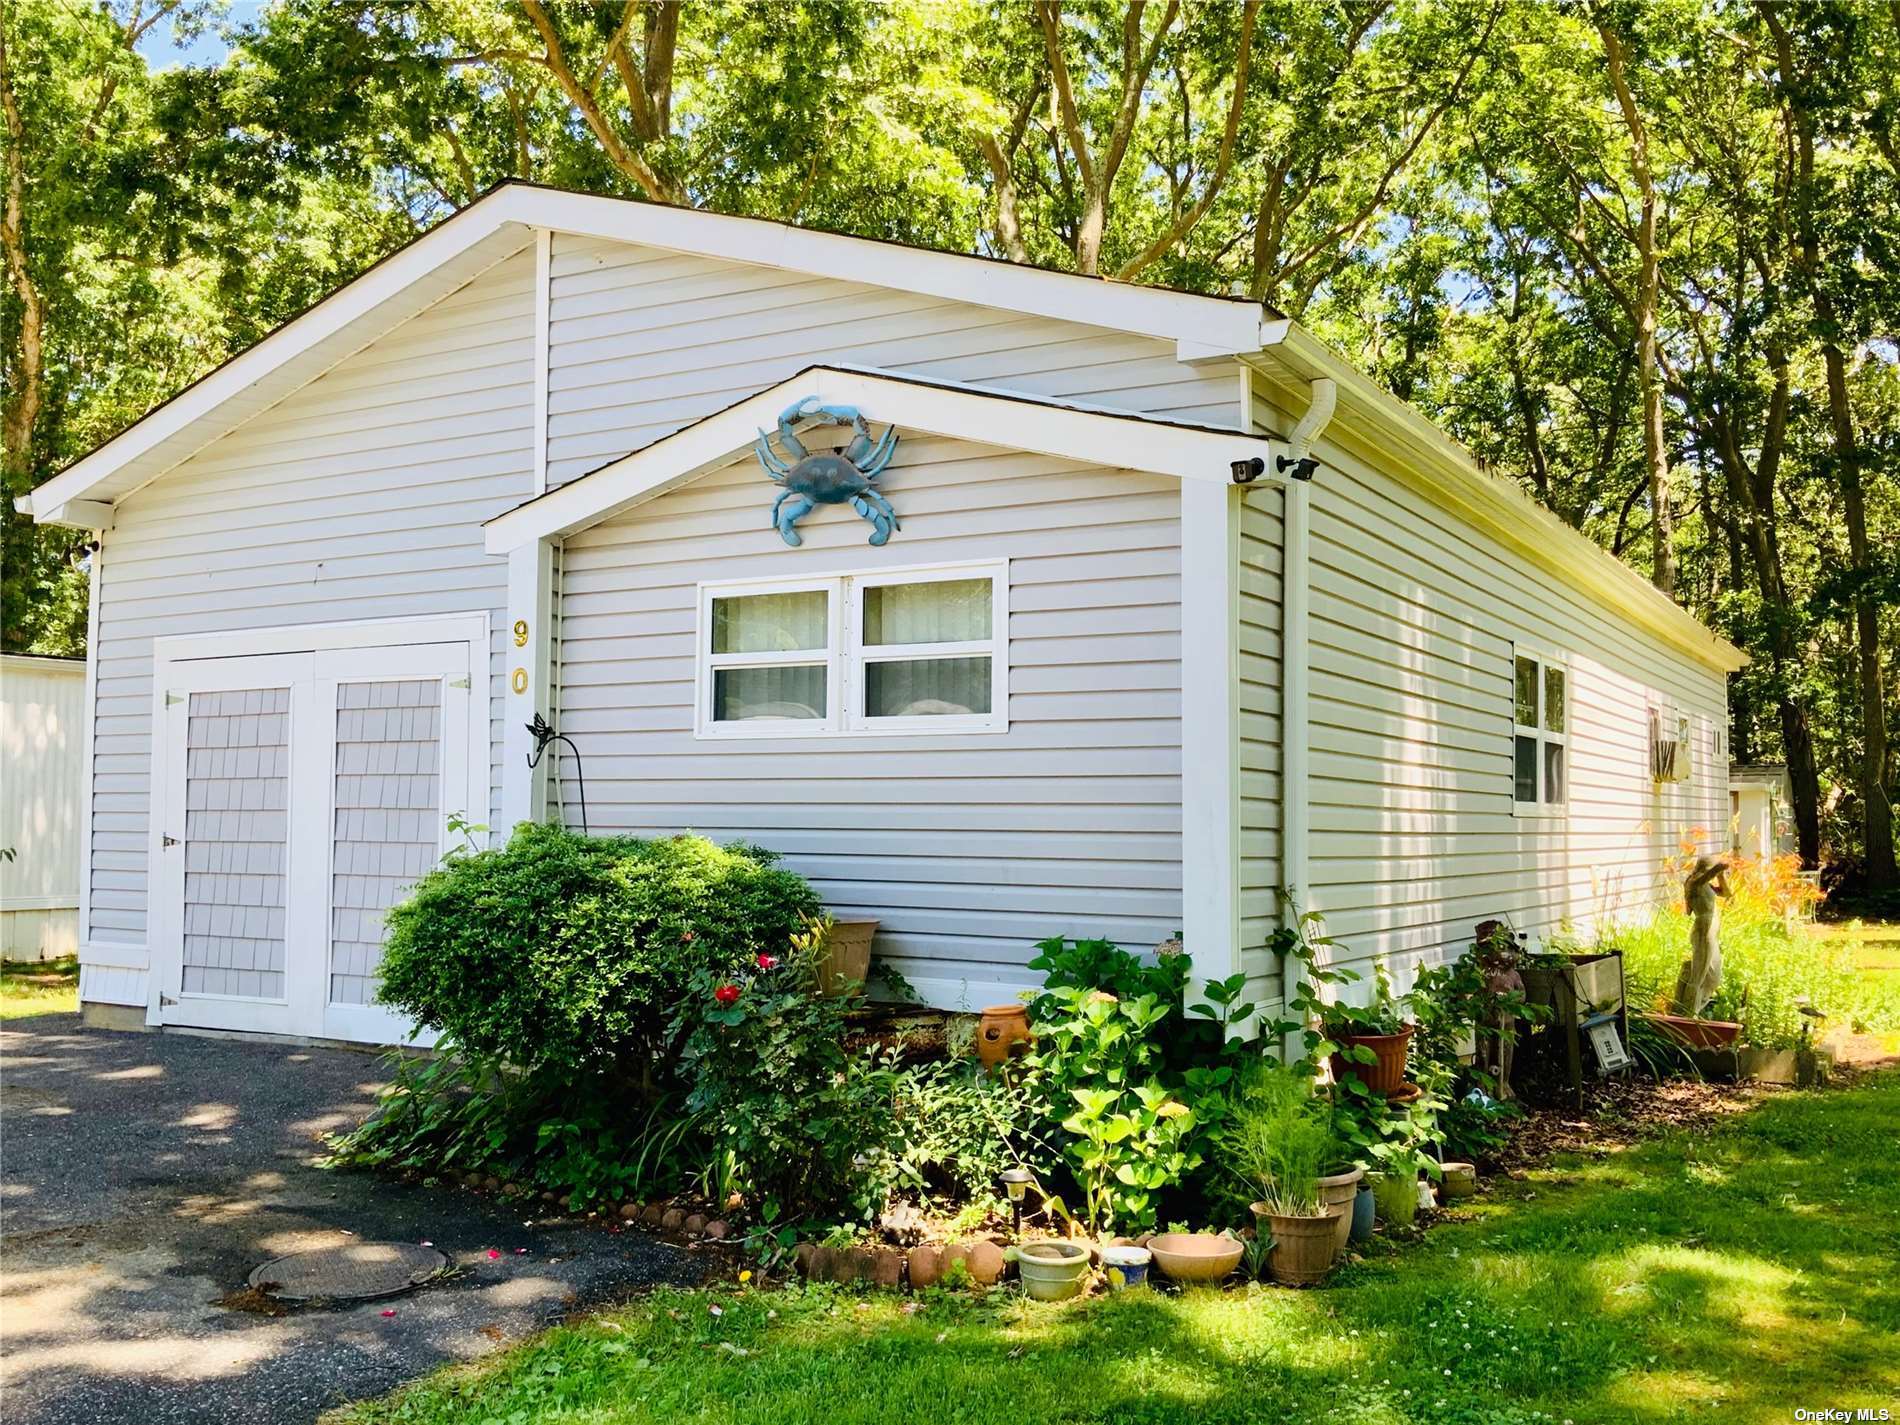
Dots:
pixel 673 1220
pixel 696 1223
pixel 926 1266
pixel 630 1211
pixel 986 1262
pixel 887 1267
pixel 492 1183
pixel 547 1197
pixel 735 1201
pixel 861 1267
pixel 654 1212
pixel 822 1265
pixel 565 1202
pixel 954 1252
pixel 718 1229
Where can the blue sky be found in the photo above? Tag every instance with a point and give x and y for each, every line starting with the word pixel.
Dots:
pixel 162 50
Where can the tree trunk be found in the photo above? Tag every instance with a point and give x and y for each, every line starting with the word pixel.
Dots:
pixel 22 412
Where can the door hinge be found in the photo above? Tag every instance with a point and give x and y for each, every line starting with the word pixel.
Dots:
pixel 168 841
pixel 458 682
pixel 173 699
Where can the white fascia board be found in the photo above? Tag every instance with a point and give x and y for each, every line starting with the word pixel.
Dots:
pixel 1389 432
pixel 74 514
pixel 1115 440
pixel 462 237
pixel 1091 301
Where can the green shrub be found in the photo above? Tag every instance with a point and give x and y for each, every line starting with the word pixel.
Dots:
pixel 568 953
pixel 959 1127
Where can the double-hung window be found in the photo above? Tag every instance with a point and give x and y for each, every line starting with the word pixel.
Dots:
pixel 896 651
pixel 1540 719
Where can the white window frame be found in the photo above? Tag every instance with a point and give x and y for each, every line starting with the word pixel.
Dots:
pixel 1542 735
pixel 846 655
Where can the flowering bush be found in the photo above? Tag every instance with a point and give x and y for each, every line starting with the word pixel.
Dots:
pixel 803 1125
pixel 567 952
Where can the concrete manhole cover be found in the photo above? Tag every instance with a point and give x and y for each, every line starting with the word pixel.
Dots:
pixel 360 1271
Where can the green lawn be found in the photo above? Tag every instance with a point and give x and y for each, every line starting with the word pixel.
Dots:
pixel 29 987
pixel 1734 1274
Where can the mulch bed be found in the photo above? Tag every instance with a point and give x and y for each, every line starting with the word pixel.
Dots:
pixel 1616 1114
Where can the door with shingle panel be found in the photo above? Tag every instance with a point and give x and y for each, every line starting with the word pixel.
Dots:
pixel 298 797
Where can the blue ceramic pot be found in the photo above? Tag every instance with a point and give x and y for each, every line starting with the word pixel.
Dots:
pixel 1362 1215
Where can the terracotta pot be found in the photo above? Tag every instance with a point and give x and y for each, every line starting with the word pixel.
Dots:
pixel 847 959
pixel 1196 1256
pixel 1302 1250
pixel 1002 1033
pixel 1696 1033
pixel 1335 1195
pixel 1386 1074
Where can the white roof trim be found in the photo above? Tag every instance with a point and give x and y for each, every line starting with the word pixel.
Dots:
pixel 1404 442
pixel 502 222
pixel 1117 440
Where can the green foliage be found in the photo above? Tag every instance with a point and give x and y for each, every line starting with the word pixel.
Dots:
pixel 806 1126
pixel 959 1127
pixel 1278 1138
pixel 567 953
pixel 1098 1063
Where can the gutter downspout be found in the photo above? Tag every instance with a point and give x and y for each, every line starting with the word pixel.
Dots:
pixel 1296 603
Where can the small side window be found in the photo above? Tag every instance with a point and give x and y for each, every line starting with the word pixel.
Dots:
pixel 1540 718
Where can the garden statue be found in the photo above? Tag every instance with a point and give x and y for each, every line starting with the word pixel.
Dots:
pixel 1701 974
pixel 829 477
pixel 1497 952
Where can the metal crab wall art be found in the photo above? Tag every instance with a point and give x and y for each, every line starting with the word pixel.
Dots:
pixel 829 477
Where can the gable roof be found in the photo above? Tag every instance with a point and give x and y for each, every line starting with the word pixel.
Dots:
pixel 1204 328
pixel 1121 440
pixel 504 220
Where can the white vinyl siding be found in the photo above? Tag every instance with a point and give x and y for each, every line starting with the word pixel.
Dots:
pixel 1415 615
pixel 643 341
pixel 967 847
pixel 359 497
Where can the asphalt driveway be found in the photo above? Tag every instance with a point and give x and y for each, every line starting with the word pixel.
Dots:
pixel 143 1176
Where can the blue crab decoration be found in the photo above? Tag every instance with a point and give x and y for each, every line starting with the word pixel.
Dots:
pixel 829 477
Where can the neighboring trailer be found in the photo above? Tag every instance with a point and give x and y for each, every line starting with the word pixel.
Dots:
pixel 42 771
pixel 1120 671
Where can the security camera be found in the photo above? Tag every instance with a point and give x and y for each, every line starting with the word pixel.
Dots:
pixel 1249 470
pixel 1300 469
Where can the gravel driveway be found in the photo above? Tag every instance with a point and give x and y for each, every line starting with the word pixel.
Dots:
pixel 143 1176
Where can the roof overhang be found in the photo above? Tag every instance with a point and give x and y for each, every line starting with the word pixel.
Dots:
pixel 1120 440
pixel 503 221
pixel 1399 439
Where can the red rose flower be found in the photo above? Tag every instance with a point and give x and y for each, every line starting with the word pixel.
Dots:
pixel 767 962
pixel 727 994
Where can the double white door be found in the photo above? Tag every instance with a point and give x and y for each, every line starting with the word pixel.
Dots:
pixel 299 794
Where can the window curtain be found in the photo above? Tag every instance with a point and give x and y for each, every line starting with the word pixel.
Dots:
pixel 927 687
pixel 770 623
pixel 947 611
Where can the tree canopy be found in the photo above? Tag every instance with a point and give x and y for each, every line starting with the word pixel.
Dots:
pixel 1638 254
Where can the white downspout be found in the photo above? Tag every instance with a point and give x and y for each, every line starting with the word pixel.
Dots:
pixel 1296 648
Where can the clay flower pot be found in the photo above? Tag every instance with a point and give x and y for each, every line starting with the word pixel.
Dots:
pixel 1696 1033
pixel 1396 1196
pixel 847 957
pixel 1386 1074
pixel 1461 1180
pixel 1302 1251
pixel 1335 1195
pixel 1052 1270
pixel 1194 1257
pixel 1002 1033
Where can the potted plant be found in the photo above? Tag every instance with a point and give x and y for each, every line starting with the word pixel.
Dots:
pixel 1052 1269
pixel 1277 1142
pixel 1338 1186
pixel 1395 1193
pixel 1371 1039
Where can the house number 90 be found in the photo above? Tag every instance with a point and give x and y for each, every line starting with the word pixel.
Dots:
pixel 521 633
pixel 520 680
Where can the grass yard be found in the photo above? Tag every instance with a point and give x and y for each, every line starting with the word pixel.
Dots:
pixel 1736 1275
pixel 29 987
